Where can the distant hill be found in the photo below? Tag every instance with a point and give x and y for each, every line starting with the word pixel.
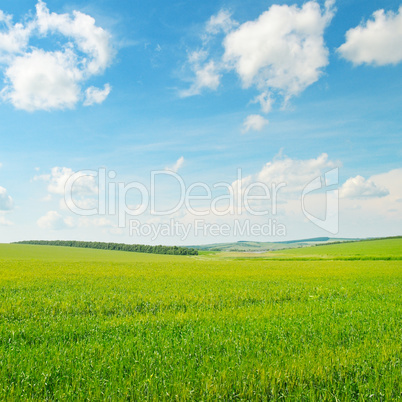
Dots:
pixel 385 248
pixel 269 246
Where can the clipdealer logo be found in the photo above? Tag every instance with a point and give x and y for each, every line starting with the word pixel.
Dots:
pixel 255 199
pixel 201 228
pixel 112 197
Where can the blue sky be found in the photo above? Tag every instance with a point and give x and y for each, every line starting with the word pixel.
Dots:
pixel 285 91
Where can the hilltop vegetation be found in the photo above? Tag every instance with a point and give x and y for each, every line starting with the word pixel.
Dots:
pixel 139 248
pixel 96 324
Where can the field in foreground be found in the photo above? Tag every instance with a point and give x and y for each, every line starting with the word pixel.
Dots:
pixel 94 324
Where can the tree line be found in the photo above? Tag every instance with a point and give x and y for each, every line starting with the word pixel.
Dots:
pixel 138 248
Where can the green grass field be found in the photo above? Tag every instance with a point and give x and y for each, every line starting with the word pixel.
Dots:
pixel 371 249
pixel 82 324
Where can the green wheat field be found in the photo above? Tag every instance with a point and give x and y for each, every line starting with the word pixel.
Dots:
pixel 317 323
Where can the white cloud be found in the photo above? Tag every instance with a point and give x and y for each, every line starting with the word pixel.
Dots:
pixel 377 41
pixel 5 222
pixel 379 208
pixel 391 181
pixel 281 53
pixel 287 177
pixel 54 221
pixel 178 165
pixel 296 174
pixel 282 50
pixel 57 179
pixel 197 56
pixel 96 95
pixel 6 202
pixel 15 39
pixel 265 100
pixel 43 80
pixel 254 122
pixel 206 76
pixel 92 40
pixel 359 187
pixel 36 79
pixel 84 188
pixel 221 22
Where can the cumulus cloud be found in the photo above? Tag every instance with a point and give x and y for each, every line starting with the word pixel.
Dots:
pixel 95 95
pixel 254 122
pixel 6 202
pixel 391 181
pixel 57 179
pixel 43 80
pixel 283 50
pixel 82 190
pixel 296 174
pixel 90 39
pixel 54 221
pixel 38 79
pixel 359 187
pixel 5 222
pixel 377 41
pixel 79 192
pixel 373 200
pixel 275 189
pixel 280 53
pixel 289 175
pixel 178 165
